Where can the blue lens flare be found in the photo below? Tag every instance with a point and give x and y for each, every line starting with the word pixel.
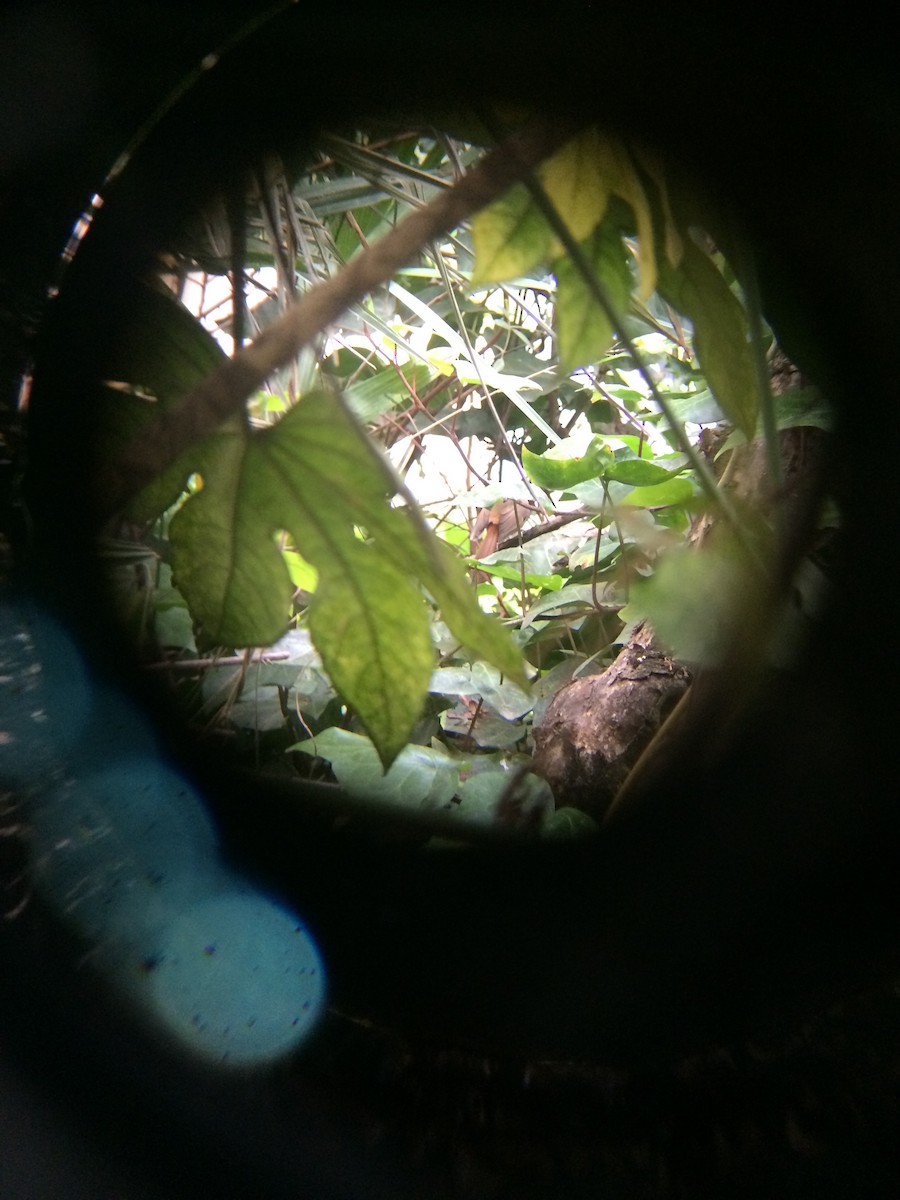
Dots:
pixel 124 849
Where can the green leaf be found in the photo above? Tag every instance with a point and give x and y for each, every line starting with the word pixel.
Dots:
pixel 316 475
pixel 481 793
pixel 569 823
pixel 618 169
pixel 509 237
pixel 532 561
pixel 370 397
pixel 639 447
pixel 480 370
pixel 579 179
pixel 575 183
pixel 506 698
pixel 174 628
pixel 258 709
pixel 372 630
pixel 566 464
pixel 803 406
pixel 721 333
pixel 302 574
pixel 583 327
pixel 224 558
pixel 479 632
pixel 795 407
pixel 699 408
pixel 507 565
pixel 660 495
pixel 690 600
pixel 572 598
pixel 154 355
pixel 487 730
pixel 420 777
pixel 638 472
pixel 451 681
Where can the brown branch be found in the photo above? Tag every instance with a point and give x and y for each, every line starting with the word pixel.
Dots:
pixel 520 537
pixel 224 391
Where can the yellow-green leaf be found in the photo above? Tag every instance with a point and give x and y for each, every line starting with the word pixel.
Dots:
pixel 671 238
pixel 371 628
pixel 660 495
pixel 618 168
pixel 638 472
pixel 316 475
pixel 574 181
pixel 509 237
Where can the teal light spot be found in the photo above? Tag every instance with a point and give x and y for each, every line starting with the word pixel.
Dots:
pixel 239 979
pixel 123 847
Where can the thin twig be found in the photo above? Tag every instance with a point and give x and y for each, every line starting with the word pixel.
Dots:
pixel 205 664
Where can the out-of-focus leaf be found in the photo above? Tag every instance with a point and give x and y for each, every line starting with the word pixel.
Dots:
pixel 583 327
pixel 370 397
pixel 671 240
pixel 420 776
pixel 481 793
pixel 174 628
pixel 795 407
pixel 575 183
pixel 659 495
pixel 638 472
pixel 721 333
pixel 803 406
pixel 509 237
pixel 690 600
pixel 155 355
pixel 618 168
pixel 569 823
pixel 699 408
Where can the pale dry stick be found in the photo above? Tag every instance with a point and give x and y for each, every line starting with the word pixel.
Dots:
pixel 224 391
pixel 186 665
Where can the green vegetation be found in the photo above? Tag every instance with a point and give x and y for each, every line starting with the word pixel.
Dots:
pixel 581 347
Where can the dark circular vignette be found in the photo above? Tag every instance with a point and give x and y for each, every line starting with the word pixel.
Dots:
pixel 791 954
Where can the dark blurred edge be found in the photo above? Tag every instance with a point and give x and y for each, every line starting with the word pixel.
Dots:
pixel 800 128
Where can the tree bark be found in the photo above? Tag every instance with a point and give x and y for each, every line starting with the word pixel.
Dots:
pixel 596 728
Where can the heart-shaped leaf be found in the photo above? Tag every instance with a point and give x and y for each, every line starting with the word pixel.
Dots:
pixel 316 475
